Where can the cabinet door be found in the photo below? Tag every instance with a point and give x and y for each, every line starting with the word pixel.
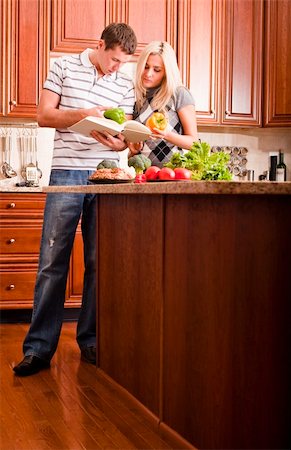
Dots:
pixel 70 34
pixel 76 24
pixel 27 63
pixel 2 56
pixel 241 82
pixel 198 50
pixel 20 234
pixel 277 111
pixel 220 56
pixel 76 273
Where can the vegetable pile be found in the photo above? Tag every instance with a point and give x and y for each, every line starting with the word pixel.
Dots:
pixel 107 164
pixel 203 164
pixel 139 162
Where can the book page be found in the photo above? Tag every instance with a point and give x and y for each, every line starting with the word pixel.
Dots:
pixel 135 131
pixel 132 131
pixel 101 124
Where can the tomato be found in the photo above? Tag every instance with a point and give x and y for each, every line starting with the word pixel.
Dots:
pixel 182 174
pixel 140 178
pixel 152 173
pixel 166 174
pixel 157 120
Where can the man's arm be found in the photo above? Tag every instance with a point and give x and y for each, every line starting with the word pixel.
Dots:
pixel 49 114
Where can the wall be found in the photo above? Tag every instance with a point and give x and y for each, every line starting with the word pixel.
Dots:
pixel 258 141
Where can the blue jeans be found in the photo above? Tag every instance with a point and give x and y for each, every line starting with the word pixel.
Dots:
pixel 61 217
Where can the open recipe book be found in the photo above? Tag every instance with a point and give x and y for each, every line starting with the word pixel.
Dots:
pixel 132 131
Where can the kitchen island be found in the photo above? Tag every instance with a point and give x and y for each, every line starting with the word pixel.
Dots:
pixel 194 306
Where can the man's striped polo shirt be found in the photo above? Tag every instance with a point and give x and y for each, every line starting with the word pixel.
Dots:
pixel 75 79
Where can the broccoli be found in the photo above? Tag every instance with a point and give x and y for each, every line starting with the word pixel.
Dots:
pixel 139 162
pixel 107 164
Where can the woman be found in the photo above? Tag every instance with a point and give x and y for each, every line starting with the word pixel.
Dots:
pixel 159 88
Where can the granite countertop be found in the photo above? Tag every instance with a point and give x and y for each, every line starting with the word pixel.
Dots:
pixel 181 187
pixel 23 190
pixel 178 187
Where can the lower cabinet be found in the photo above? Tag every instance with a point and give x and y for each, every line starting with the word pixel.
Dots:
pixel 20 234
pixel 194 313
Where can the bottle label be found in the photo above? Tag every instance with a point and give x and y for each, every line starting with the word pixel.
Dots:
pixel 280 174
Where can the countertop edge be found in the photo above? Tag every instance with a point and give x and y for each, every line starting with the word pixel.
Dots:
pixel 171 188
pixel 180 188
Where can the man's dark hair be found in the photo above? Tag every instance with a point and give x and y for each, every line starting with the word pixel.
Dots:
pixel 120 34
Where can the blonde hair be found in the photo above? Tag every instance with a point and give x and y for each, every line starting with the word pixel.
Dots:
pixel 171 80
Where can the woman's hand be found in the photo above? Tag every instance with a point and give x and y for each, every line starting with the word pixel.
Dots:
pixel 115 143
pixel 159 134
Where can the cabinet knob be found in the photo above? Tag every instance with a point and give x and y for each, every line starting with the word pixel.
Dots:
pixel 11 287
pixel 11 205
pixel 13 102
pixel 11 241
pixel 227 113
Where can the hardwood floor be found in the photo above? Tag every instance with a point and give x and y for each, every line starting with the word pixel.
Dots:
pixel 66 407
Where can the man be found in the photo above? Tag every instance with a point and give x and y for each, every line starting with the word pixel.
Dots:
pixel 77 86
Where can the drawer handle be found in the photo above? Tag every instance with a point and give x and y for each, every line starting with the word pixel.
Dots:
pixel 11 241
pixel 11 205
pixel 11 287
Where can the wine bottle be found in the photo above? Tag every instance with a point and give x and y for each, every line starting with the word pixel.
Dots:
pixel 273 167
pixel 281 168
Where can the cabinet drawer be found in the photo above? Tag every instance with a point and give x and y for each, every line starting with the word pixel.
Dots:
pixel 17 286
pixel 20 241
pixel 22 205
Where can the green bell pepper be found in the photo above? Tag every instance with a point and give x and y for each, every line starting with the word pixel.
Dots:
pixel 116 114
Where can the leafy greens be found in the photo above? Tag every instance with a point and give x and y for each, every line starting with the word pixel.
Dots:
pixel 203 164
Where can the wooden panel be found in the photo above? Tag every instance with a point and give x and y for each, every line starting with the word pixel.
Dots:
pixel 20 239
pixel 16 287
pixel 198 46
pixel 278 64
pixel 21 205
pixel 227 323
pixel 242 69
pixel 21 221
pixel 28 62
pixel 130 293
pixel 76 273
pixel 70 34
pixel 160 15
pixel 76 25
pixel 3 45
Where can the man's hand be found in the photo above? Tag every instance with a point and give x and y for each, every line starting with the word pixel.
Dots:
pixel 115 143
pixel 97 111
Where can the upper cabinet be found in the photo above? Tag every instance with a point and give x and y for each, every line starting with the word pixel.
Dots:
pixel 220 55
pixel 234 55
pixel 277 103
pixel 70 34
pixel 24 40
pixel 242 60
pixel 2 57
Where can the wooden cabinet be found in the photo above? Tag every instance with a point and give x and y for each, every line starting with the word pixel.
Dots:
pixel 24 60
pixel 219 44
pixel 277 102
pixel 220 55
pixel 20 234
pixel 200 333
pixel 70 34
pixel 2 57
